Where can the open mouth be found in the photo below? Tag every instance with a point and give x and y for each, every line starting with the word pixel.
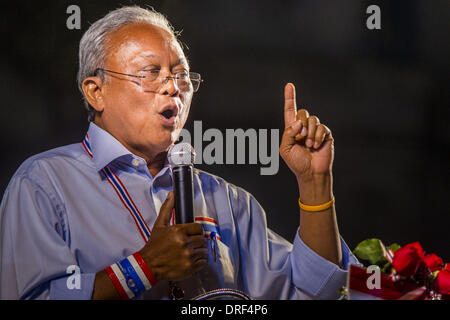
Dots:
pixel 167 113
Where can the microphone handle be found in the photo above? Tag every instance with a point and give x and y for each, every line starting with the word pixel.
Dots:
pixel 184 193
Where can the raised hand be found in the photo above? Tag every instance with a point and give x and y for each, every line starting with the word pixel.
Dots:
pixel 307 145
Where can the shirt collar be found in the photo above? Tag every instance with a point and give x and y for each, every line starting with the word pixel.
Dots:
pixel 105 149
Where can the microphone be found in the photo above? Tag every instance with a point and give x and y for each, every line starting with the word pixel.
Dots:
pixel 181 158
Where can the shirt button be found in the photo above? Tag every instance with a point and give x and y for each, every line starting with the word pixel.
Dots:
pixel 135 162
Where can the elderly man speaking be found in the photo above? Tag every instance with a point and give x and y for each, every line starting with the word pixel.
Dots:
pixel 93 220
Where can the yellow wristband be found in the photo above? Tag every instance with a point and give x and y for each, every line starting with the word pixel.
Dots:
pixel 320 207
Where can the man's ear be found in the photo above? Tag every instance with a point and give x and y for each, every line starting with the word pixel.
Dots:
pixel 92 88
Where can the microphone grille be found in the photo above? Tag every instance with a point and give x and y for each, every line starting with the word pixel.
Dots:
pixel 181 154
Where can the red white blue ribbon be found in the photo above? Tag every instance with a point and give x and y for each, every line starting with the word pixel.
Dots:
pixel 123 194
pixel 141 273
pixel 389 255
pixel 128 202
pixel 210 227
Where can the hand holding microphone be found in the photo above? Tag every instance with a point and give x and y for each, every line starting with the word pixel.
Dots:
pixel 177 252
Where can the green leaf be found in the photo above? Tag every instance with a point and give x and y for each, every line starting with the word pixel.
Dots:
pixel 371 250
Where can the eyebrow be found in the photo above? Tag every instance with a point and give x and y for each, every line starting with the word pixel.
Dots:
pixel 180 60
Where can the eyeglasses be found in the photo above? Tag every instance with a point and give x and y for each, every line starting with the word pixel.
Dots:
pixel 151 80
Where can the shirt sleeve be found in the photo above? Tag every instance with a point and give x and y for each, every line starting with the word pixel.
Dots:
pixel 35 259
pixel 317 276
pixel 272 267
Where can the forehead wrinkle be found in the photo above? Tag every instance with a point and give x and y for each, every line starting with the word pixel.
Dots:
pixel 129 40
pixel 181 60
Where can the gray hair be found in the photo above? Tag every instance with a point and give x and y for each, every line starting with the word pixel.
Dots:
pixel 93 53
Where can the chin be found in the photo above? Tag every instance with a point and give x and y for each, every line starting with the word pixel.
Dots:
pixel 163 144
pixel 164 139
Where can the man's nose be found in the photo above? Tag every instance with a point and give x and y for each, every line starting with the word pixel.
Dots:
pixel 169 86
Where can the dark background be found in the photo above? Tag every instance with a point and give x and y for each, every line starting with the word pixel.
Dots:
pixel 384 93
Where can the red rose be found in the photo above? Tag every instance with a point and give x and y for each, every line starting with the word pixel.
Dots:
pixel 407 259
pixel 433 262
pixel 442 282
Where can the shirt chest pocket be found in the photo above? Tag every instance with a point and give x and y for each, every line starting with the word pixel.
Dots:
pixel 220 271
pixel 220 263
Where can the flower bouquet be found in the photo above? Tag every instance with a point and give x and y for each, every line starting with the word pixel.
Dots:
pixel 396 273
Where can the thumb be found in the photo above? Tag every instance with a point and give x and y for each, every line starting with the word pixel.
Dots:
pixel 165 213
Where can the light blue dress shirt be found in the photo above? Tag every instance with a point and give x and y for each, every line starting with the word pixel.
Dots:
pixel 59 211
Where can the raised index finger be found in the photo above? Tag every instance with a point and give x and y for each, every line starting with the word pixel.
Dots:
pixel 290 106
